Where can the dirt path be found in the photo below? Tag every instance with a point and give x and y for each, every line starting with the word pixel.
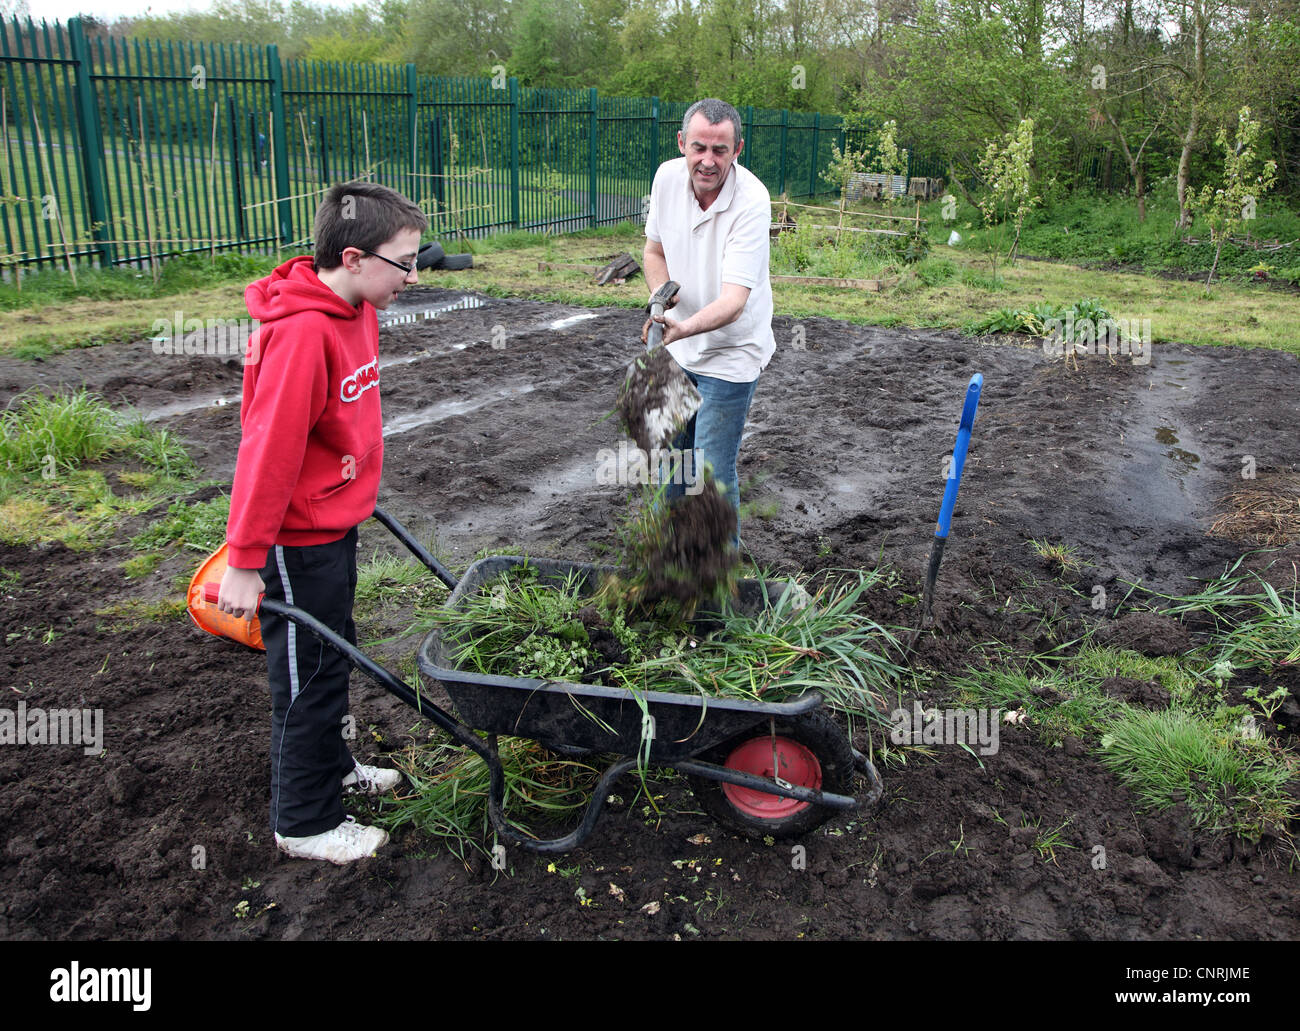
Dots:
pixel 493 425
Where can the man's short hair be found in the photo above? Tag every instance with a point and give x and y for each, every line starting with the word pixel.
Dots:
pixel 714 111
pixel 364 215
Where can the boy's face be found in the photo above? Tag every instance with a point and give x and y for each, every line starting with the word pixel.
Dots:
pixel 377 278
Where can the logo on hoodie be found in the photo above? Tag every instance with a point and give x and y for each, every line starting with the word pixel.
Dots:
pixel 360 381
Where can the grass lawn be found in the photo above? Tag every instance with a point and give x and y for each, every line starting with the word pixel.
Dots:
pixel 948 289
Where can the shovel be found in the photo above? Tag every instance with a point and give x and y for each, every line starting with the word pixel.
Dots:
pixel 949 500
pixel 657 399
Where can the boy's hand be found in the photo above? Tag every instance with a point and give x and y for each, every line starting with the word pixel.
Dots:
pixel 239 592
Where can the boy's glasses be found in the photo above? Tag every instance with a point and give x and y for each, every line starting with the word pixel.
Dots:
pixel 406 269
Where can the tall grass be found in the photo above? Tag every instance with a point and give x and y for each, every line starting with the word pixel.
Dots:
pixel 449 791
pixel 1230 782
pixel 1255 626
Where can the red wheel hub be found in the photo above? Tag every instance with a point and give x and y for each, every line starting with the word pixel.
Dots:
pixel 793 763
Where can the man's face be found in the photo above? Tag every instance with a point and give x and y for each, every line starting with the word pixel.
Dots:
pixel 380 281
pixel 710 151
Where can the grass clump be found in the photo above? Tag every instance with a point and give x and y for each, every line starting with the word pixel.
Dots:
pixel 1254 625
pixel 1229 780
pixel 50 487
pixel 449 790
pixel 199 527
pixel 42 435
pixel 1055 703
pixel 135 614
pixel 807 251
pixel 1061 559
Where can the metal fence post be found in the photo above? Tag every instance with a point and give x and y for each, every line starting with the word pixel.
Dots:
pixel 780 166
pixel 654 135
pixel 514 153
pixel 812 163
pixel 749 135
pixel 413 96
pixel 280 146
pixel 92 142
pixel 593 133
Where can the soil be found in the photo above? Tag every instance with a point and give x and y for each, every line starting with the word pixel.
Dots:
pixel 652 401
pixel 688 557
pixel 495 418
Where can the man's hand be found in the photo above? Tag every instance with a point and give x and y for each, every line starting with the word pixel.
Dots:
pixel 239 592
pixel 722 312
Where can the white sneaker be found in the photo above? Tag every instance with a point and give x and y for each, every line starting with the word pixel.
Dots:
pixel 370 780
pixel 347 842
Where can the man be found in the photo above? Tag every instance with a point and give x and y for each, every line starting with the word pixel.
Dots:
pixel 707 229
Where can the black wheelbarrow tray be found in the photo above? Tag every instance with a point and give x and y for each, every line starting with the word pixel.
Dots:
pixel 763 769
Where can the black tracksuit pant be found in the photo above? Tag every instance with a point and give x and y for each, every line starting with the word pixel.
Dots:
pixel 309 684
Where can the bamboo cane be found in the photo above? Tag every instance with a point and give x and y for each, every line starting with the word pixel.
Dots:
pixel 148 193
pixel 58 208
pixel 212 186
pixel 4 128
pixel 275 189
pixel 306 148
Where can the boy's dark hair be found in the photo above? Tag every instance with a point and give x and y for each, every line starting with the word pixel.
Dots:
pixel 364 215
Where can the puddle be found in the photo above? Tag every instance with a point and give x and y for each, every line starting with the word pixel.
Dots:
pixel 1188 460
pixel 573 320
pixel 449 409
pixel 394 315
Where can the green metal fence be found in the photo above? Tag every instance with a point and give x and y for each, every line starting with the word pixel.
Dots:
pixel 120 151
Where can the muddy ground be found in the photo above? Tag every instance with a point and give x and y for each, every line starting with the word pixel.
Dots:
pixel 494 422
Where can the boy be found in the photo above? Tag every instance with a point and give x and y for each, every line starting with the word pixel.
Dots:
pixel 307 474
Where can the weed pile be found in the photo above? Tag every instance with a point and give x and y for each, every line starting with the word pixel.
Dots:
pixel 522 625
pixel 1263 514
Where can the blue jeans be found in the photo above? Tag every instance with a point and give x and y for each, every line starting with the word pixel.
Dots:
pixel 714 433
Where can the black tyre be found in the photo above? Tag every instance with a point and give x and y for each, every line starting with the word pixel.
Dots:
pixel 457 262
pixel 430 256
pixel 812 751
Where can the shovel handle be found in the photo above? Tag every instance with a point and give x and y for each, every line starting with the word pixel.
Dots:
pixel 659 301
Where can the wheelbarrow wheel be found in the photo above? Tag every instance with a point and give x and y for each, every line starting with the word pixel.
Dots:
pixel 812 752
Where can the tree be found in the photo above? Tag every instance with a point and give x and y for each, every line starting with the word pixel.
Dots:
pixel 1245 180
pixel 1007 169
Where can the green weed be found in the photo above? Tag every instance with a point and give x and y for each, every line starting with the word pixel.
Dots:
pixel 1231 782
pixel 200 527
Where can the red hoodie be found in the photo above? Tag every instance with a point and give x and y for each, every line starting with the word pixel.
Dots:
pixel 312 447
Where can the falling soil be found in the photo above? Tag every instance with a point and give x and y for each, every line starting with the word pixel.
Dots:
pixel 688 556
pixel 165 833
pixel 655 400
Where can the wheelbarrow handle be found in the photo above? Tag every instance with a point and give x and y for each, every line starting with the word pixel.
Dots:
pixel 212 593
pixel 386 679
pixel 416 548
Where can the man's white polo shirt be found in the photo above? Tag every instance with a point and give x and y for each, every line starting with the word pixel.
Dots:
pixel 704 249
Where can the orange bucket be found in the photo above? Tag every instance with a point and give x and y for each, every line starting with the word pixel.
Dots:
pixel 212 619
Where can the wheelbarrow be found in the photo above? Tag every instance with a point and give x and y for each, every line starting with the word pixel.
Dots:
pixel 778 769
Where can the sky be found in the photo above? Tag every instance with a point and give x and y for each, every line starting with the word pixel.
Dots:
pixel 110 10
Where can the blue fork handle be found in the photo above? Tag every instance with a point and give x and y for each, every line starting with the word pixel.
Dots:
pixel 959 454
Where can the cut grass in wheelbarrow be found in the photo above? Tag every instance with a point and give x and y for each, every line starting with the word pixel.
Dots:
pixel 560 662
pixel 521 624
